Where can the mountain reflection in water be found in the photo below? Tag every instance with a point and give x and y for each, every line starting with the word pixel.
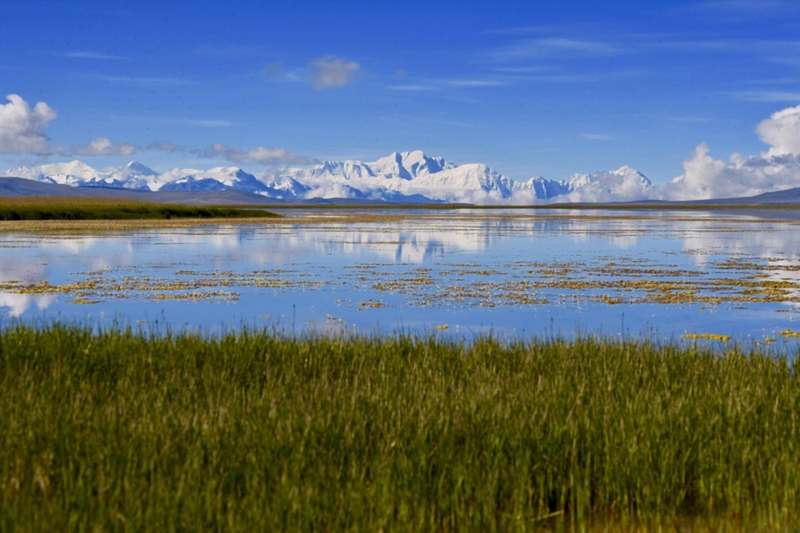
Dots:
pixel 512 273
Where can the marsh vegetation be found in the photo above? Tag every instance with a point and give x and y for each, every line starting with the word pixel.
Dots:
pixel 255 431
pixel 72 208
pixel 202 420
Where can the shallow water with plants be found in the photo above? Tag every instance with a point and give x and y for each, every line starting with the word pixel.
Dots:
pixel 712 274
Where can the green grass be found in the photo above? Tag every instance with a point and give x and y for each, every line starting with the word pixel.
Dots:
pixel 251 431
pixel 39 208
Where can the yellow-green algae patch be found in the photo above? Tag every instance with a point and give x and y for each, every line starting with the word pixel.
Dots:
pixel 624 282
pixel 706 336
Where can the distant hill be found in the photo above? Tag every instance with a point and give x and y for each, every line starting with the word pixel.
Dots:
pixel 785 197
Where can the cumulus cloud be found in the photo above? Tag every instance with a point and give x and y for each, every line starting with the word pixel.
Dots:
pixel 782 131
pixel 22 128
pixel 774 170
pixel 103 146
pixel 331 72
pixel 258 154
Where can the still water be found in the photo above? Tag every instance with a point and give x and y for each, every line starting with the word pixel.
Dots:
pixel 461 273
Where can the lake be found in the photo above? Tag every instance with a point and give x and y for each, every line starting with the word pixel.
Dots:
pixel 461 273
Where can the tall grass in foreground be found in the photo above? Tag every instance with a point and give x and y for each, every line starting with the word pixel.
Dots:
pixel 255 432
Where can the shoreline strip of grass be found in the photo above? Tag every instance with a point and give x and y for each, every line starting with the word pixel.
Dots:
pixel 46 209
pixel 256 431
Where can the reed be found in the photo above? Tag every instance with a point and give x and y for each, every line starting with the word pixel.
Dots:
pixel 251 430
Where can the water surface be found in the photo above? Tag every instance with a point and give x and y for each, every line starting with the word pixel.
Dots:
pixel 461 272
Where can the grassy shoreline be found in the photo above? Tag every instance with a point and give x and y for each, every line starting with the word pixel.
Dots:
pixel 254 431
pixel 73 209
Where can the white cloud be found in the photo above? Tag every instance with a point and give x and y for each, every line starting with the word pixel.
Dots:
pixel 782 131
pixel 22 129
pixel 165 146
pixel 774 170
pixel 768 96
pixel 328 72
pixel 103 146
pixel 156 82
pixel 215 150
pixel 331 72
pixel 258 154
pixel 269 156
pixel 623 184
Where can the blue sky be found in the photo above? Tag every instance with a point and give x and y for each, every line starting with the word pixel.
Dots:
pixel 529 88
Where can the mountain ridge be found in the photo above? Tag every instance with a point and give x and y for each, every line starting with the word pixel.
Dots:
pixel 404 177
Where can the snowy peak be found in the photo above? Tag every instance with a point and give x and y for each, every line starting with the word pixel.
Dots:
pixel 624 173
pixel 75 168
pixel 214 179
pixel 134 168
pixel 409 165
pixel 411 177
pixel 622 184
pixel 545 189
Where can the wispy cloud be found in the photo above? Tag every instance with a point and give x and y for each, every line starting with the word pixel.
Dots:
pixel 596 137
pixel 426 85
pixel 209 123
pixel 554 48
pixel 523 70
pixel 328 72
pixel 588 77
pixel 768 96
pixel 144 81
pixel 258 154
pixel 473 83
pixel 83 54
pixel 331 72
pixel 414 88
pixel 165 146
pixel 692 45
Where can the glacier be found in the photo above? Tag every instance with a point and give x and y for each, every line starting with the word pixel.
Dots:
pixel 400 177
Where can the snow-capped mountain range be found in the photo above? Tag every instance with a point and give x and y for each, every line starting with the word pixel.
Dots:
pixel 399 177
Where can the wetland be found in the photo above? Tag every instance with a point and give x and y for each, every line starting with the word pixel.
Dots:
pixel 426 369
pixel 711 274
